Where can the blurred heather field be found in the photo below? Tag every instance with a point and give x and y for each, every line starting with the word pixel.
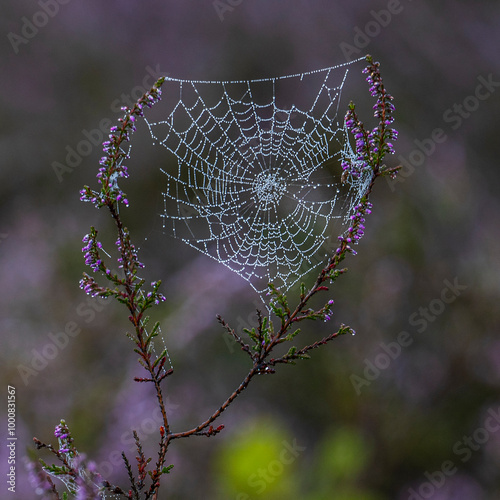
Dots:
pixel 365 418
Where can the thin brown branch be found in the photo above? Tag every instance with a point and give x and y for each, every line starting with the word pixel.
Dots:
pixel 254 371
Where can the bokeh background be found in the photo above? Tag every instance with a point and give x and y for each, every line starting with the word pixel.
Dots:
pixel 311 431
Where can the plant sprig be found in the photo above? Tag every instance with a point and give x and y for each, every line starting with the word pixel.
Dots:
pixel 125 286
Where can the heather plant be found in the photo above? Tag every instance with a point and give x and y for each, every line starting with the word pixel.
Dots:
pixel 277 325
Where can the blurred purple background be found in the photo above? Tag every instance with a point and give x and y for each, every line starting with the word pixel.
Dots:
pixel 438 226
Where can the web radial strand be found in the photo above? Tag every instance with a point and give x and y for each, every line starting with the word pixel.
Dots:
pixel 257 182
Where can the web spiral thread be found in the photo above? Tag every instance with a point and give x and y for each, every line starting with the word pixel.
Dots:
pixel 251 189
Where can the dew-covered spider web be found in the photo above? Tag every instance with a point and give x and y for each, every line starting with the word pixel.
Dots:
pixel 256 185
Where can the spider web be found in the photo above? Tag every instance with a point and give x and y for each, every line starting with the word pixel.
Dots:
pixel 257 185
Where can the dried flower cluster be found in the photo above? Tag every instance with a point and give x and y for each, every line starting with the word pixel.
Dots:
pixel 79 475
pixel 371 145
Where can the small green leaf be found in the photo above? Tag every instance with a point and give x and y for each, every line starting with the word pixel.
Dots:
pixel 160 357
pixel 264 323
pixel 291 335
pixel 266 336
pixel 154 331
pixel 252 334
